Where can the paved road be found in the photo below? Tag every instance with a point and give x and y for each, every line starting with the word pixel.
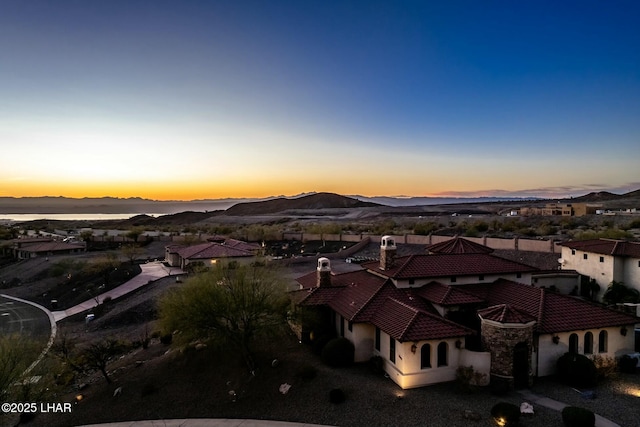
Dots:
pixel 150 272
pixel 23 318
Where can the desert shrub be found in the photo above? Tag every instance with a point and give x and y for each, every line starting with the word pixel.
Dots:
pixel 338 352
pixel 376 363
pixel 318 344
pixel 166 339
pixel 577 370
pixel 468 378
pixel 306 372
pixel 606 366
pixel 573 416
pixel 506 414
pixel 336 395
pixel 628 364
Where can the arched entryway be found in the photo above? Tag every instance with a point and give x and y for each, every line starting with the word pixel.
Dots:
pixel 521 365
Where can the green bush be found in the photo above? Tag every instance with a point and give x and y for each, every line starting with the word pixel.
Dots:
pixel 166 339
pixel 506 414
pixel 338 352
pixel 318 344
pixel 628 364
pixel 577 370
pixel 573 416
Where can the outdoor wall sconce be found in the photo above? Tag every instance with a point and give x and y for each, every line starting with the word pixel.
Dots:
pixel 414 347
pixel 623 331
pixel 555 339
pixel 458 344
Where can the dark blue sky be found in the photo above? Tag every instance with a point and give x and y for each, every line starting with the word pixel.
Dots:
pixel 444 97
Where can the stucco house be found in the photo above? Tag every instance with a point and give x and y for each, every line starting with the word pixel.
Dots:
pixel 604 260
pixel 458 305
pixel 33 247
pixel 211 253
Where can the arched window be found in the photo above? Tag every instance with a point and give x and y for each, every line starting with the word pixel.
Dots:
pixel 442 354
pixel 588 343
pixel 425 356
pixel 602 342
pixel 573 343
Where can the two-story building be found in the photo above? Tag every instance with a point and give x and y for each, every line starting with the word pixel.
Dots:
pixel 458 305
pixel 605 261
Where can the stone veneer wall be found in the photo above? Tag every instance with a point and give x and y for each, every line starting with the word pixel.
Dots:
pixel 500 342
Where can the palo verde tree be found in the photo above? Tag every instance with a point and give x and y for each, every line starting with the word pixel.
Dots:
pixel 229 304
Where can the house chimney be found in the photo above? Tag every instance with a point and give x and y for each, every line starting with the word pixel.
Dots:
pixel 387 252
pixel 323 272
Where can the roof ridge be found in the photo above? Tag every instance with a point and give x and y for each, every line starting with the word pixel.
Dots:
pixel 409 324
pixel 404 264
pixel 373 295
pixel 541 306
pixel 615 248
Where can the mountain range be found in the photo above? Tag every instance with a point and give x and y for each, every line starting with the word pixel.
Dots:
pixel 245 206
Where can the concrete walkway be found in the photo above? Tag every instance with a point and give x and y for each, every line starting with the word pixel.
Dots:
pixel 559 406
pixel 204 422
pixel 151 271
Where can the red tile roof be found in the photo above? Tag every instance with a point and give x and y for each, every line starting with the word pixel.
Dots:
pixel 51 246
pixel 211 250
pixel 438 293
pixel 406 323
pixel 607 247
pixel 504 313
pixel 458 245
pixel 553 312
pixel 446 265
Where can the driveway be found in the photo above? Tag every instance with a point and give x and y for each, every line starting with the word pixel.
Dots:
pixel 151 271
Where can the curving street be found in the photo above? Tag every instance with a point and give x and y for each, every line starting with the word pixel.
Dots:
pixel 22 318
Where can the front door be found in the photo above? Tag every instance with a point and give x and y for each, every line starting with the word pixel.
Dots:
pixel 521 365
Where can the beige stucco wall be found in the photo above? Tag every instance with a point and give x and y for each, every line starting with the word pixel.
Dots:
pixel 564 284
pixel 406 371
pixel 631 276
pixel 620 269
pixel 601 272
pixel 548 352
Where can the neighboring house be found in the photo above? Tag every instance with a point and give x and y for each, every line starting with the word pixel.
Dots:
pixel 459 305
pixel 604 260
pixel 39 247
pixel 210 253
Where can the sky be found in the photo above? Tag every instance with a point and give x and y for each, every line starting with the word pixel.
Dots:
pixel 182 100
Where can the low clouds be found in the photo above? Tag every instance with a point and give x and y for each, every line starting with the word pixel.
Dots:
pixel 565 191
